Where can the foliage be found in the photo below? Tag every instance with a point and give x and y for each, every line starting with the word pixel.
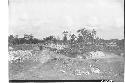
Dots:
pixel 86 41
pixel 65 33
pixel 27 39
pixel 86 35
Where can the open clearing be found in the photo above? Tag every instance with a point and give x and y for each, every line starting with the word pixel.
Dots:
pixel 48 65
pixel 60 67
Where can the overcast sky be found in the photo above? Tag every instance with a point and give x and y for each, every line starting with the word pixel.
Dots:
pixel 51 17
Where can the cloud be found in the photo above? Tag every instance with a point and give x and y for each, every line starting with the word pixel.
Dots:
pixel 45 16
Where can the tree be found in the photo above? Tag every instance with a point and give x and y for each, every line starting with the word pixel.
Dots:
pixel 31 37
pixel 28 39
pixel 65 33
pixel 121 44
pixel 72 39
pixel 92 36
pixel 16 39
pixel 22 40
pixel 10 39
pixel 49 39
pixel 65 38
pixel 86 35
pixel 83 35
pixel 80 38
pixel 13 40
pixel 97 41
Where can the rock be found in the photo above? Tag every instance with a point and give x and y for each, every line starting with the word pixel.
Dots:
pixel 81 72
pixel 79 57
pixel 62 71
pixel 95 70
pixel 44 58
pixel 122 54
pixel 10 48
pixel 97 54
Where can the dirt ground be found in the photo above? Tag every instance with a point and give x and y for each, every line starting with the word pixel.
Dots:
pixel 111 68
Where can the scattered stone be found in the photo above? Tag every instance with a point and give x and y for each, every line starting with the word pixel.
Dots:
pixel 10 48
pixel 96 54
pixel 79 57
pixel 81 72
pixel 62 71
pixel 95 70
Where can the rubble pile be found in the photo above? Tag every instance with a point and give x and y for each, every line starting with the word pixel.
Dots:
pixel 97 54
pixel 19 55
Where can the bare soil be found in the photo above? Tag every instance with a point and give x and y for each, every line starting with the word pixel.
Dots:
pixel 63 68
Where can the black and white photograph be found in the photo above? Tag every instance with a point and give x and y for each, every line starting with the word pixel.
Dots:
pixel 66 40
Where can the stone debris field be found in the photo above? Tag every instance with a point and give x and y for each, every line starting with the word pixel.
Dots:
pixel 48 65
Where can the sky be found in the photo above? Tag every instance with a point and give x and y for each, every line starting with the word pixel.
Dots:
pixel 51 17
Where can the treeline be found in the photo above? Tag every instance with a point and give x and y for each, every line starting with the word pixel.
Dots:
pixel 85 37
pixel 27 39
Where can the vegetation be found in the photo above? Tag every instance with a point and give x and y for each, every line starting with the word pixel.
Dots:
pixel 61 59
pixel 86 41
